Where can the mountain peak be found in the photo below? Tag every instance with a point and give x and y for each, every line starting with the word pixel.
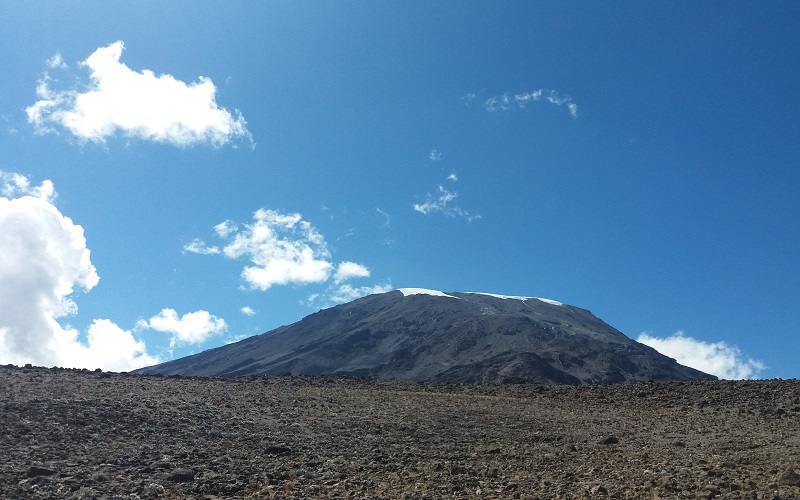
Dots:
pixel 423 334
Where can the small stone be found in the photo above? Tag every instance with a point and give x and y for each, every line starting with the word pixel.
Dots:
pixel 35 471
pixel 609 440
pixel 278 450
pixel 181 476
pixel 789 478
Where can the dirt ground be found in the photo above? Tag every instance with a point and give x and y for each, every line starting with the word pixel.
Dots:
pixel 81 434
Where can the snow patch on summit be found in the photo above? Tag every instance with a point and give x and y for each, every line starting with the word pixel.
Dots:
pixel 423 291
pixel 436 293
pixel 517 297
pixel 550 301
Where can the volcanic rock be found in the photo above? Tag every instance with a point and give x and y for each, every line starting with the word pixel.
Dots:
pixel 140 436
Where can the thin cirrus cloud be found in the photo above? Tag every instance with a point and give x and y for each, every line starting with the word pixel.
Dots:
pixel 386 216
pixel 441 202
pixel 44 262
pixel 521 101
pixel 119 100
pixel 191 328
pixel 717 358
pixel 284 249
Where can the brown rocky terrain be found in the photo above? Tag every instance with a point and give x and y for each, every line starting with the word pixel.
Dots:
pixel 80 434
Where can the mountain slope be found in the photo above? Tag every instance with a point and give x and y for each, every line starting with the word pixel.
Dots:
pixel 416 334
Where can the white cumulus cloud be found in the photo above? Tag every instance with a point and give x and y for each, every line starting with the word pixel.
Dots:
pixel 108 346
pixel 283 249
pixel 44 260
pixel 717 358
pixel 247 311
pixel 349 270
pixel 136 104
pixel 507 101
pixel 191 328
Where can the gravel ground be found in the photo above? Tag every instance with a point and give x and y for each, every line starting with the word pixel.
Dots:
pixel 81 434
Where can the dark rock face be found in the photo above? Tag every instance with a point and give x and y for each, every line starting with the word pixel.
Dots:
pixel 461 337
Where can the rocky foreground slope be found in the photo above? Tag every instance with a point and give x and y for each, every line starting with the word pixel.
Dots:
pixel 80 434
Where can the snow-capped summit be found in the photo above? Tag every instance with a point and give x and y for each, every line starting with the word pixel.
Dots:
pixel 423 291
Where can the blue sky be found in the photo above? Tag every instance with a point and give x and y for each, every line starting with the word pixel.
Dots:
pixel 179 176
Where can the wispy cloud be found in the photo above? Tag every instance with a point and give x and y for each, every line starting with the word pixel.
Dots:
pixel 520 101
pixel 717 358
pixel 136 104
pixel 469 97
pixel 452 177
pixel 56 62
pixel 436 204
pixel 387 217
pixel 341 293
pixel 13 185
pixel 191 328
pixel 199 246
pixel 44 261
pixel 247 311
pixel 224 228
pixel 347 293
pixel 441 203
pixel 435 155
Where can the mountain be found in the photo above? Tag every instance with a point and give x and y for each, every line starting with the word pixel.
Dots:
pixel 418 334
